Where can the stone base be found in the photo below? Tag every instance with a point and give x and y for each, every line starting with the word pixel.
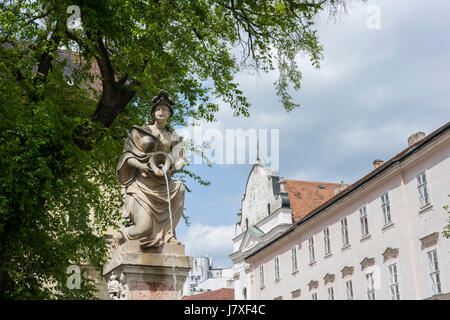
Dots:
pixel 149 275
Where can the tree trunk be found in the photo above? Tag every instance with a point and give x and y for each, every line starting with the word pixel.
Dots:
pixel 111 104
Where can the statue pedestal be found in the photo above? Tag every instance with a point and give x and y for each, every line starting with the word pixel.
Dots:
pixel 149 275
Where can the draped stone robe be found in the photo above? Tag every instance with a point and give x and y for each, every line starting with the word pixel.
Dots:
pixel 149 192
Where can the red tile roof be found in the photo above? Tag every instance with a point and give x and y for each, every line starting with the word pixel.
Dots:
pixel 305 196
pixel 220 294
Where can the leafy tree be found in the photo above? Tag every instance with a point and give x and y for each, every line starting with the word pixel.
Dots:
pixel 61 134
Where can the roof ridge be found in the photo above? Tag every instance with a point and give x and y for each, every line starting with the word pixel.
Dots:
pixel 287 179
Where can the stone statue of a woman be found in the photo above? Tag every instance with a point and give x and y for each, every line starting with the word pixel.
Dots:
pixel 148 150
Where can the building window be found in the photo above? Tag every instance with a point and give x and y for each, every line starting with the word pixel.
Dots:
pixel 261 276
pixel 370 286
pixel 364 223
pixel 434 271
pixel 349 289
pixel 423 190
pixel 294 259
pixel 330 293
pixel 385 206
pixel 268 209
pixel 393 282
pixel 314 296
pixel 326 240
pixel 311 249
pixel 344 231
pixel 277 268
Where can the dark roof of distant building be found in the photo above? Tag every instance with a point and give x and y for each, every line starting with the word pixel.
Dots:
pixel 220 294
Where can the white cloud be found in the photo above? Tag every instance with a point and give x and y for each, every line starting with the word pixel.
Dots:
pixel 215 241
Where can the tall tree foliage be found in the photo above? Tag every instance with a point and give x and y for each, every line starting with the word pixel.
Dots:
pixel 60 138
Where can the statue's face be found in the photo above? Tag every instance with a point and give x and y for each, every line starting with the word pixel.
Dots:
pixel 162 113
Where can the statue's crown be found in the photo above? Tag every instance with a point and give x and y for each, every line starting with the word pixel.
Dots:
pixel 163 98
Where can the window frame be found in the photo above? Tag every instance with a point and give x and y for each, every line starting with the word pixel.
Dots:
pixel 344 232
pixel 364 221
pixel 386 208
pixel 326 240
pixel 276 261
pixel 330 291
pixel 294 259
pixel 434 272
pixel 393 281
pixel 347 291
pixel 422 182
pixel 312 257
pixel 261 276
pixel 370 286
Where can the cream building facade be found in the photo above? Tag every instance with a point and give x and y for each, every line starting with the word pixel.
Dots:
pixel 380 238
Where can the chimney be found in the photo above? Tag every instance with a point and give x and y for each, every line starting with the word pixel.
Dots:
pixel 415 137
pixel 377 163
pixel 282 184
pixel 340 187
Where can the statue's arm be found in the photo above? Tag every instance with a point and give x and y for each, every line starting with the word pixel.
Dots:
pixel 133 162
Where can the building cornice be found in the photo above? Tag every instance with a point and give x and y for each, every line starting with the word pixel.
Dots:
pixel 389 253
pixel 429 240
pixel 367 262
pixel 347 271
pixel 313 285
pixel 329 278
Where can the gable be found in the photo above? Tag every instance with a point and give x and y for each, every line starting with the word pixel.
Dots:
pixel 258 194
pixel 252 237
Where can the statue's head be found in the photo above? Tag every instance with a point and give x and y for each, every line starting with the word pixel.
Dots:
pixel 161 113
pixel 162 106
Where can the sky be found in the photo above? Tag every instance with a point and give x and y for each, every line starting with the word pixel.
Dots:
pixel 379 82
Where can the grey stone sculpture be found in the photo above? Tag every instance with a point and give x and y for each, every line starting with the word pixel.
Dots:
pixel 123 287
pixel 148 151
pixel 113 287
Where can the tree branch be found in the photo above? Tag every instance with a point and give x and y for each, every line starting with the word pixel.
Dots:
pixel 45 61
